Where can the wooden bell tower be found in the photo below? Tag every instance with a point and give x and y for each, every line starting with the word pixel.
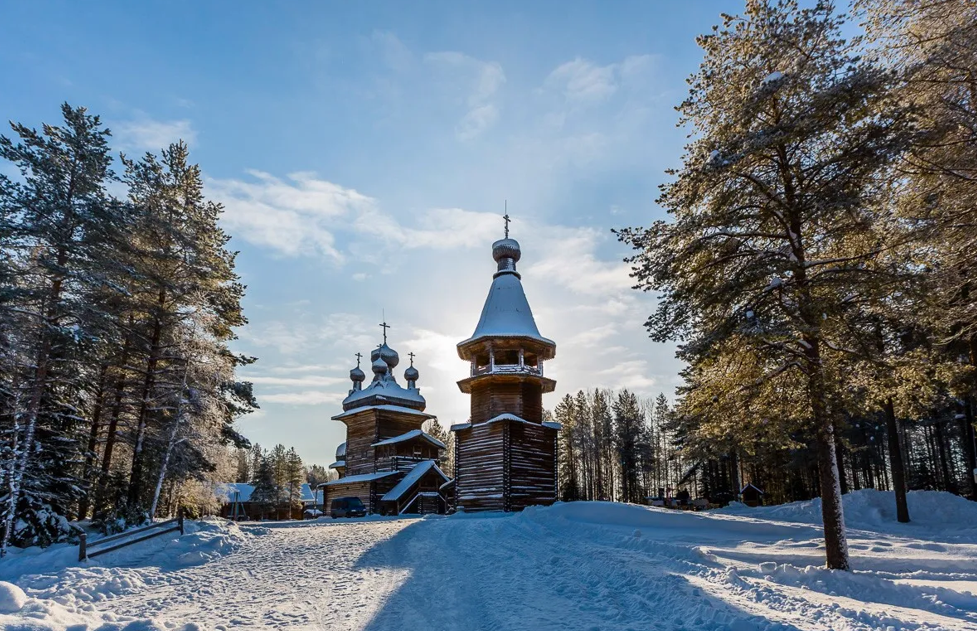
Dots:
pixel 506 456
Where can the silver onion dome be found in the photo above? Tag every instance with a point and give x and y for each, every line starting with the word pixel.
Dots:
pixel 506 253
pixel 411 374
pixel 387 354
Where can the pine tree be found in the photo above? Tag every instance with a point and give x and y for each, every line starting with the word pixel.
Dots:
pixel 772 209
pixel 59 228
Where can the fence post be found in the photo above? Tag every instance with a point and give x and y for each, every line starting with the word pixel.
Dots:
pixel 180 514
pixel 82 547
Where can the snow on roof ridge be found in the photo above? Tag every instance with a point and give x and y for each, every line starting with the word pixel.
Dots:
pixel 505 416
pixel 387 407
pixel 363 477
pixel 414 433
pixel 411 479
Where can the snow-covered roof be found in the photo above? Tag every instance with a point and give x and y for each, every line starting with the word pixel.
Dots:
pixel 235 491
pixel 506 417
pixel 750 486
pixel 459 426
pixel 506 314
pixel 341 451
pixel 411 479
pixel 553 425
pixel 383 391
pixel 339 464
pixel 411 435
pixel 385 407
pixel 240 492
pixel 363 477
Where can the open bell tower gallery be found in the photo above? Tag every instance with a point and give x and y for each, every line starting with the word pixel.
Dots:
pixel 506 455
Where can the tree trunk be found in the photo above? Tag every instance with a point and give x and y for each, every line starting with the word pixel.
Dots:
pixel 895 460
pixel 840 456
pixel 90 455
pixel 135 477
pixel 113 428
pixel 949 482
pixel 832 511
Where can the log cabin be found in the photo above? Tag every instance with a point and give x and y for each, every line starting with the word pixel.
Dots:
pixel 506 454
pixel 387 461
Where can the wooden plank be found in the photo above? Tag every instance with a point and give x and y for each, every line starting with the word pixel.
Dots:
pixel 129 543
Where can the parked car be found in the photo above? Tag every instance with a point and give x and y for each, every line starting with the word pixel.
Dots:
pixel 312 513
pixel 347 507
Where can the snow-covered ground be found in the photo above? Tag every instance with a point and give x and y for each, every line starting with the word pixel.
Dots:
pixel 571 566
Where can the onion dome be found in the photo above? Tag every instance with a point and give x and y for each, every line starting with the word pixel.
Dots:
pixel 506 253
pixel 357 375
pixel 411 374
pixel 387 354
pixel 379 368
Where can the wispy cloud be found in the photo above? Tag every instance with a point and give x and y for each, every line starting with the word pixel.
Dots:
pixel 146 134
pixel 581 81
pixel 292 216
pixel 479 81
pixel 305 397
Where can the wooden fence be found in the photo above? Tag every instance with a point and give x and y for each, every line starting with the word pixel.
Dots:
pixel 160 528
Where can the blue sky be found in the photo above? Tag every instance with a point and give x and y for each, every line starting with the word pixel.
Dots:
pixel 363 152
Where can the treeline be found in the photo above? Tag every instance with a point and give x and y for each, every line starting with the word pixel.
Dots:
pixel 615 447
pixel 117 387
pixel 818 267
pixel 277 477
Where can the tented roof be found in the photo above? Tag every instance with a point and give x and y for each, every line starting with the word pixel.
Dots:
pixel 506 313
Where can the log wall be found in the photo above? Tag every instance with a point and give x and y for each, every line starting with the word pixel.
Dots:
pixel 532 459
pixel 479 467
pixel 494 395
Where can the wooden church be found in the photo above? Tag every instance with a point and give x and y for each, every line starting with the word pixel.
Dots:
pixel 506 455
pixel 387 461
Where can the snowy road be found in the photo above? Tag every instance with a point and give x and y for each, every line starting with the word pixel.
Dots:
pixel 574 566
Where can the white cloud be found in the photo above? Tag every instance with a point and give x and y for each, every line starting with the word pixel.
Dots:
pixel 583 82
pixel 301 215
pixel 145 134
pixel 478 81
pixel 309 381
pixel 305 397
pixel 293 217
pixel 569 258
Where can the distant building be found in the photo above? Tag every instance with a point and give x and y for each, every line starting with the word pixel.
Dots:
pixel 506 455
pixel 236 503
pixel 387 461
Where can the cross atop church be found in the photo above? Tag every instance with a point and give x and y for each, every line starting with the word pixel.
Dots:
pixel 385 327
pixel 412 356
pixel 359 356
pixel 507 220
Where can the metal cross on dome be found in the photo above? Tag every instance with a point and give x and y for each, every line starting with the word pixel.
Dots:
pixel 412 356
pixel 507 220
pixel 385 327
pixel 359 356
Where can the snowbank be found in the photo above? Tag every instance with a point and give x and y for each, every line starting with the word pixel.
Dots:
pixel 12 598
pixel 60 591
pixel 869 509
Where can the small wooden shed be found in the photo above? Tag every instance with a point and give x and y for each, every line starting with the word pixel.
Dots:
pixel 751 495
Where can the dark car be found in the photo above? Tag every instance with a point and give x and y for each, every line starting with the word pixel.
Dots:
pixel 347 507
